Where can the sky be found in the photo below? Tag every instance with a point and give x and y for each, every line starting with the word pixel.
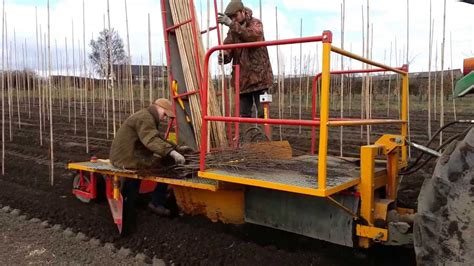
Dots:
pixel 388 20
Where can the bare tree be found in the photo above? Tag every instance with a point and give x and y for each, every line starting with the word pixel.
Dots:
pixel 107 50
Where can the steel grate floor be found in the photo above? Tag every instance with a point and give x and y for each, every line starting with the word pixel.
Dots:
pixel 339 172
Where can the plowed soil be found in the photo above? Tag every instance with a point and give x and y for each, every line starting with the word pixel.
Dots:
pixel 179 239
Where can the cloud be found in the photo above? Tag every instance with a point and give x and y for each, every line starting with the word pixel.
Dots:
pixel 388 18
pixel 21 17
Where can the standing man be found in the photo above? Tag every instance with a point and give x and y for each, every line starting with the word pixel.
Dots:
pixel 256 75
pixel 135 145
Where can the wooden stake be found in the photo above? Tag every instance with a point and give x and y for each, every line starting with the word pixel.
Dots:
pixel 367 82
pixel 38 80
pixel 301 76
pixel 74 85
pixel 150 63
pixel 407 63
pixel 86 99
pixel 17 81
pixel 452 76
pixel 290 87
pixel 389 83
pixel 430 52
pixel 279 81
pixel 68 85
pixel 441 97
pixel 130 85
pixel 57 74
pixel 3 88
pixel 111 74
pixel 343 17
pixel 142 87
pixel 362 88
pixel 51 138
pixel 28 84
pixel 435 90
pixel 9 79
pixel 350 85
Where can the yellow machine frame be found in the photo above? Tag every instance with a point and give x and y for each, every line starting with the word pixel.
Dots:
pixel 224 201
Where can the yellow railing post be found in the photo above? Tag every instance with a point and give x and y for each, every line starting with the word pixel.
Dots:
pixel 404 114
pixel 324 112
pixel 366 186
pixel 116 187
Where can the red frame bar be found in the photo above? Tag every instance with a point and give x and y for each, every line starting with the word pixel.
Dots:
pixel 168 60
pixel 210 29
pixel 178 25
pixel 204 88
pixel 186 94
pixel 168 129
pixel 270 121
pixel 315 95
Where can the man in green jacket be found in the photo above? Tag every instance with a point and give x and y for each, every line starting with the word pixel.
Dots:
pixel 134 147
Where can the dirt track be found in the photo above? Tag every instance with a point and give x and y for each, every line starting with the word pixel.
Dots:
pixel 181 240
pixel 27 241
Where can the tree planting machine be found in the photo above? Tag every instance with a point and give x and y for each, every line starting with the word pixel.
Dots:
pixel 348 201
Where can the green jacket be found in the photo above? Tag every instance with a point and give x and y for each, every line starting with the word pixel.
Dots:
pixel 137 140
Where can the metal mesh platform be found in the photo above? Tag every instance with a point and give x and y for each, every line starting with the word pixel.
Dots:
pixel 285 177
pixel 302 177
pixel 108 169
pixel 103 166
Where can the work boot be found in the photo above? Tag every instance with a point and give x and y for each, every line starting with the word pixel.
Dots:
pixel 159 210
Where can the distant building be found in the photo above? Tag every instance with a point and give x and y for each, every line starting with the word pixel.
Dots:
pixel 140 72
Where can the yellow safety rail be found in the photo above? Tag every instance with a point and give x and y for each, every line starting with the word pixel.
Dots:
pixel 324 108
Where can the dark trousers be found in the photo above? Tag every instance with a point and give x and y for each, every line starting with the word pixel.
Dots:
pixel 247 100
pixel 131 189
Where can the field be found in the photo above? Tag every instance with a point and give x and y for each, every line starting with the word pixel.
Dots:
pixel 182 239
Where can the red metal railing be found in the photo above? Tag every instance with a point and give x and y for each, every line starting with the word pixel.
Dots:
pixel 204 90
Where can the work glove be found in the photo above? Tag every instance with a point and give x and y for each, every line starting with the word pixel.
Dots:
pixel 184 149
pixel 224 19
pixel 177 157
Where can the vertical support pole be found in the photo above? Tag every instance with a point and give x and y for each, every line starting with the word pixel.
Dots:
pixel 324 113
pixel 93 185
pixel 168 129
pixel 266 115
pixel 366 187
pixel 109 187
pixel 116 186
pixel 392 174
pixel 228 126
pixel 237 105
pixel 404 114
pixel 168 59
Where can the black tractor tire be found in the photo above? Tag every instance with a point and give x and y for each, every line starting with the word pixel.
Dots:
pixel 444 223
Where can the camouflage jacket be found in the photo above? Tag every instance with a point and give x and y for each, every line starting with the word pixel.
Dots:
pixel 137 140
pixel 255 68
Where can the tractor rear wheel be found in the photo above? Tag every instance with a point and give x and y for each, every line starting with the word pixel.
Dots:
pixel 444 223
